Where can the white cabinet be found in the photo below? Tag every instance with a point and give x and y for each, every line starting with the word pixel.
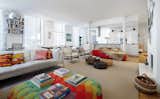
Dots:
pixel 132 49
pixel 132 37
pixel 132 43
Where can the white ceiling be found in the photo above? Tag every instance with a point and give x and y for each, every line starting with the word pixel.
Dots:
pixel 79 10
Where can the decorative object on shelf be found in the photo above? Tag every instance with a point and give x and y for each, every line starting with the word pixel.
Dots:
pixel 145 84
pixel 17 46
pixel 15 23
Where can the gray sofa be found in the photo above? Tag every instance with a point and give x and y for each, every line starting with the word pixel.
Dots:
pixel 19 69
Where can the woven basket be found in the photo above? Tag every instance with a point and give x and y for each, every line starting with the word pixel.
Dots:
pixel 145 84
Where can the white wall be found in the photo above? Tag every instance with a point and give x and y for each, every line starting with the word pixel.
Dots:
pixel 47 34
pixel 143 35
pixel 126 24
pixel 154 46
pixel 32 32
pixel 2 37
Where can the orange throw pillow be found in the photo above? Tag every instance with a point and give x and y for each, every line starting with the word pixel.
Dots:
pixel 5 60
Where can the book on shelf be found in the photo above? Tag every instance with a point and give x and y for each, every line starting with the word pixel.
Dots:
pixel 57 91
pixel 76 79
pixel 42 80
pixel 62 72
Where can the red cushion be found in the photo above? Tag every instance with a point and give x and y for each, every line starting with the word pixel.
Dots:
pixel 41 54
pixel 100 54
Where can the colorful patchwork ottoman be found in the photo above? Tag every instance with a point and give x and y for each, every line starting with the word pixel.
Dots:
pixel 88 89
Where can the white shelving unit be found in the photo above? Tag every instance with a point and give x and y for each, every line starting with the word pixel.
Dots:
pixel 15 30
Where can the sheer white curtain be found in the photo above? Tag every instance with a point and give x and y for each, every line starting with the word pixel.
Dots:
pixel 2 33
pixel 59 34
pixel 76 34
pixel 104 34
pixel 32 32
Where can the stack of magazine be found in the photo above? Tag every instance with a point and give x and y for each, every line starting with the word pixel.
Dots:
pixel 76 79
pixel 42 80
pixel 57 91
pixel 62 72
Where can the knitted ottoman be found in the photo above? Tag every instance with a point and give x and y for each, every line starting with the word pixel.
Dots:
pixel 100 65
pixel 109 62
pixel 91 60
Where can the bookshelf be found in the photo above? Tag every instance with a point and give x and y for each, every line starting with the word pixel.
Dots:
pixel 15 31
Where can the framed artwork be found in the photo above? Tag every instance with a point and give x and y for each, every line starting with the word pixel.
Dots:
pixel 151 6
pixel 69 37
pixel 49 35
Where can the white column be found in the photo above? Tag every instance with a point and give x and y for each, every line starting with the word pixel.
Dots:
pixel 124 34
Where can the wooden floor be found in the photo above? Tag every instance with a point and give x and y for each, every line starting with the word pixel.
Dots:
pixel 145 96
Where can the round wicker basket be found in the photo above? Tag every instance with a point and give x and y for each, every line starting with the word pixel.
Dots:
pixel 145 84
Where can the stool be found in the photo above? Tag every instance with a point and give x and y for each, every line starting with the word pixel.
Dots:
pixel 109 62
pixel 100 65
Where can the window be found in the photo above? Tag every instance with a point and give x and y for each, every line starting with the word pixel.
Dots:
pixel 103 36
pixel 32 32
pixel 2 33
pixel 107 36
pixel 59 34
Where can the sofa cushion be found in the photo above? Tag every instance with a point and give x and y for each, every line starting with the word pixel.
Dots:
pixel 41 55
pixel 49 54
pixel 27 54
pixel 18 58
pixel 5 60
